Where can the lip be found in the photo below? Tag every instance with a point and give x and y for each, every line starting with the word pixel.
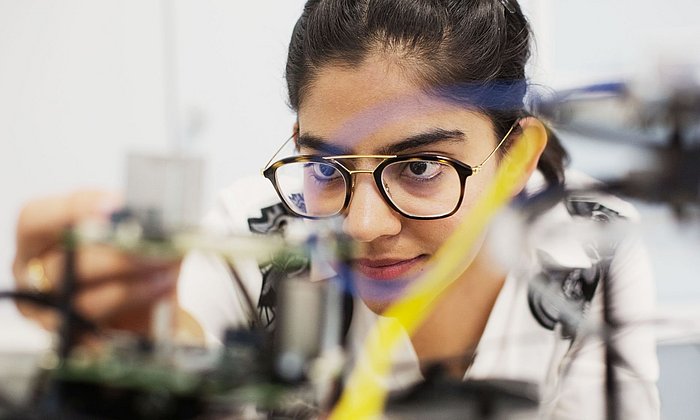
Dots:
pixel 386 268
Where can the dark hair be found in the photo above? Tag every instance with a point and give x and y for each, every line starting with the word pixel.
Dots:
pixel 470 51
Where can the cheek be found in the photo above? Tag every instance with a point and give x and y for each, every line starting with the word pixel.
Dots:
pixel 433 233
pixel 475 188
pixel 430 234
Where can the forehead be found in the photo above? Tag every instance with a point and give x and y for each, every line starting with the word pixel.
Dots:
pixel 377 102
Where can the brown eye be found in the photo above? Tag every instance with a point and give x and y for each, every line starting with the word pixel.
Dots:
pixel 422 169
pixel 418 168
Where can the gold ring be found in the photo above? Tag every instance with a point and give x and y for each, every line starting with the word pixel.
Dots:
pixel 36 276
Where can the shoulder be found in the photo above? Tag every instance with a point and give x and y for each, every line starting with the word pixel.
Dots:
pixel 246 205
pixel 574 245
pixel 596 206
pixel 583 202
pixel 563 230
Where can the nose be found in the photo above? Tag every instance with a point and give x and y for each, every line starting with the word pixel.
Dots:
pixel 368 216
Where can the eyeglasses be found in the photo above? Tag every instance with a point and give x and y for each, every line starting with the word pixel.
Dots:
pixel 423 186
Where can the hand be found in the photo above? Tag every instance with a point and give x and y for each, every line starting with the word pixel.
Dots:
pixel 114 290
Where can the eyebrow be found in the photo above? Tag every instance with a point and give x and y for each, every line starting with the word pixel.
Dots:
pixel 428 138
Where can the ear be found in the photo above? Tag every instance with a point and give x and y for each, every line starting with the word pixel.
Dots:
pixel 536 142
pixel 295 131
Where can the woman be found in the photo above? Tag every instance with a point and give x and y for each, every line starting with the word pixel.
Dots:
pixel 398 101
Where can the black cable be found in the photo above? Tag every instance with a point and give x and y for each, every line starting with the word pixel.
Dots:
pixel 7 405
pixel 612 357
pixel 257 322
pixel 67 331
pixel 51 302
pixel 77 321
pixel 41 299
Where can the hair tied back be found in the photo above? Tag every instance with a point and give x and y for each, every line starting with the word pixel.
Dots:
pixel 509 6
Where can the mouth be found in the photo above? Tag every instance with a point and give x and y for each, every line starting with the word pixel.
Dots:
pixel 387 268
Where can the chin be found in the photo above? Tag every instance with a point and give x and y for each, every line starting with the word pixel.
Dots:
pixel 378 295
pixel 378 307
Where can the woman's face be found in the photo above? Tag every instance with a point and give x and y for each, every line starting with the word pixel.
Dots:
pixel 374 109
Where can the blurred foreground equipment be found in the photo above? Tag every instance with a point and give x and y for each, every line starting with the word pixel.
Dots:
pixel 260 372
pixel 663 119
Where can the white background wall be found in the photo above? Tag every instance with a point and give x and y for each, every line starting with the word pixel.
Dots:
pixel 83 82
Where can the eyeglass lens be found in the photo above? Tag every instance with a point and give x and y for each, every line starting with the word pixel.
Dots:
pixel 421 188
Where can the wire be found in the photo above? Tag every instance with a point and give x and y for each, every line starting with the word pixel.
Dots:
pixel 256 320
pixel 69 287
pixel 50 301
pixel 6 404
pixel 47 301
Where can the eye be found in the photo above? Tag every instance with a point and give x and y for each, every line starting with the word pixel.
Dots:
pixel 422 169
pixel 322 171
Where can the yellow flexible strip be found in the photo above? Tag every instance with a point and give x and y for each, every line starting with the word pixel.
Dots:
pixel 364 395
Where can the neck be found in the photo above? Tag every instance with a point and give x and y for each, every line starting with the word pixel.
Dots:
pixel 454 327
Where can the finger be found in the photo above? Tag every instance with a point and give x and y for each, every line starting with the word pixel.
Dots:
pixel 140 319
pixel 119 302
pixel 51 268
pixel 112 299
pixel 94 264
pixel 42 222
pixel 101 262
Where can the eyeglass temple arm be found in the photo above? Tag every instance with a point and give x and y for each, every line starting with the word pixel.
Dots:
pixel 267 165
pixel 477 168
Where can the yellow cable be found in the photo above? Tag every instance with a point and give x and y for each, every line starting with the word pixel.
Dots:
pixel 364 396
